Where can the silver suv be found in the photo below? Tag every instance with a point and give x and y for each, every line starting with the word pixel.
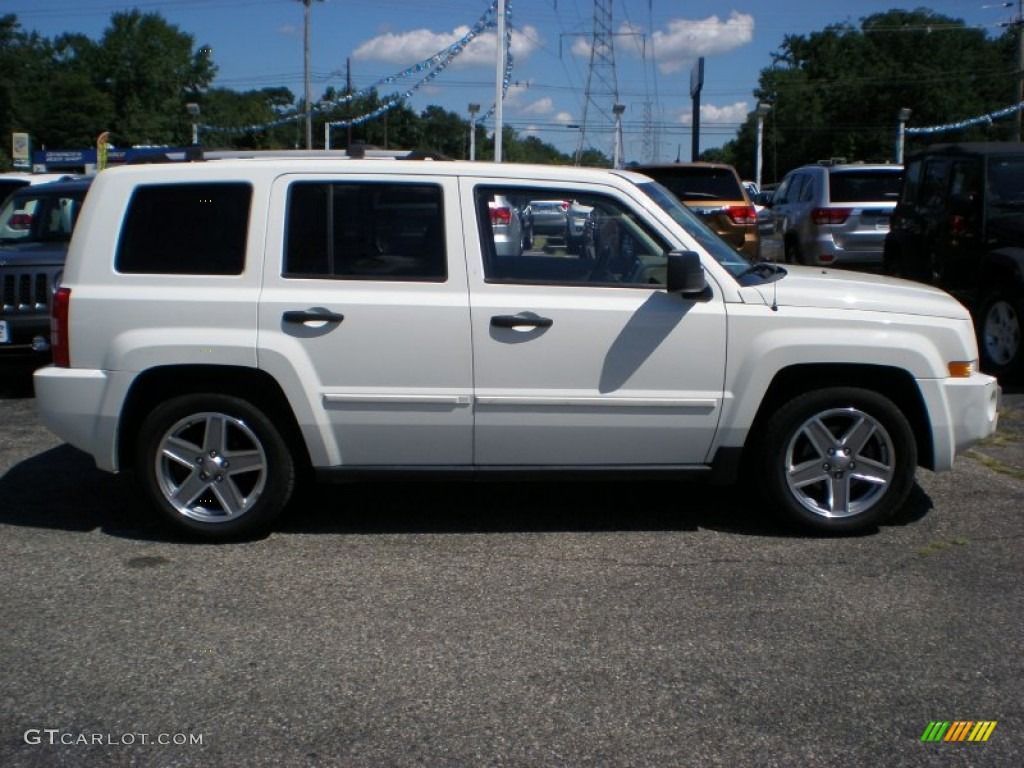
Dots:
pixel 832 214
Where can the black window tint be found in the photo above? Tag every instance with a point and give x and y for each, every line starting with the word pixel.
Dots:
pixel 861 186
pixel 912 181
pixel 1006 179
pixel 933 185
pixel 185 229
pixel 365 231
pixel 696 183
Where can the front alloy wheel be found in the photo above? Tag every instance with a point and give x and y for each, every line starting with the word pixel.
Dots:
pixel 215 466
pixel 838 460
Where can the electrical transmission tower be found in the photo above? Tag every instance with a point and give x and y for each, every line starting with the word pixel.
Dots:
pixel 602 92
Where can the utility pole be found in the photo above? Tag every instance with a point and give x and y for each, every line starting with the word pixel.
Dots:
pixel 308 98
pixel 1017 25
pixel 499 83
pixel 1019 22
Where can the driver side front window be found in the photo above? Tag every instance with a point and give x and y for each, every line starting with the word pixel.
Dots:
pixel 544 236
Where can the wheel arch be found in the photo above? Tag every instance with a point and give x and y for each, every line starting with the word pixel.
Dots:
pixel 896 384
pixel 157 385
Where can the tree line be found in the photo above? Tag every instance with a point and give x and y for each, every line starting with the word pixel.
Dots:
pixel 837 92
pixel 833 93
pixel 137 78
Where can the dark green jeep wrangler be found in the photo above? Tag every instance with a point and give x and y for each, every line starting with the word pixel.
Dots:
pixel 959 224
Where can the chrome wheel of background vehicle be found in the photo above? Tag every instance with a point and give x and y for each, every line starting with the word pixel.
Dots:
pixel 214 465
pixel 838 460
pixel 999 335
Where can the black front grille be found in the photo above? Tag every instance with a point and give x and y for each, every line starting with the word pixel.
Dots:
pixel 25 292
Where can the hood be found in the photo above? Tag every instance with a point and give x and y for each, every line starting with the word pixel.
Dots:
pixel 32 254
pixel 845 289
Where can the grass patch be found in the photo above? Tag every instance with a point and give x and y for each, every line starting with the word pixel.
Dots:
pixel 938 546
pixel 995 465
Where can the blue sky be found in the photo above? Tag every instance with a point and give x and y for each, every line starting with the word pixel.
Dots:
pixel 258 43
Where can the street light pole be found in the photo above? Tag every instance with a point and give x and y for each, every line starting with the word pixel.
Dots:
pixel 499 82
pixel 193 110
pixel 762 112
pixel 305 55
pixel 617 110
pixel 473 110
pixel 901 131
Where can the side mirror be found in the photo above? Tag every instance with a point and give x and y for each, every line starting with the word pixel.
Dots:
pixel 685 274
pixel 763 198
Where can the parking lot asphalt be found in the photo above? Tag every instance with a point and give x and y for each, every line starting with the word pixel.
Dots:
pixel 546 624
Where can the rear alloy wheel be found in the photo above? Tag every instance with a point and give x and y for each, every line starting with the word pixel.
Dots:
pixel 838 460
pixel 214 466
pixel 999 336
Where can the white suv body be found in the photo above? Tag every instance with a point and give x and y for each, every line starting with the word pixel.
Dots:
pixel 356 316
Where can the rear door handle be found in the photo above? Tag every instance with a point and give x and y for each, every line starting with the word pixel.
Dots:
pixel 312 316
pixel 515 321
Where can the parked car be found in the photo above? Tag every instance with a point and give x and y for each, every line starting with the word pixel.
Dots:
pixel 959 224
pixel 713 191
pixel 36 222
pixel 551 218
pixel 13 180
pixel 511 227
pixel 833 214
pixel 220 331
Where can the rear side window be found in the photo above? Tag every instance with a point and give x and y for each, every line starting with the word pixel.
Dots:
pixel 185 229
pixel 865 186
pixel 365 231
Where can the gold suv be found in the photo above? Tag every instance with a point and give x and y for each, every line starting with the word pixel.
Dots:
pixel 713 191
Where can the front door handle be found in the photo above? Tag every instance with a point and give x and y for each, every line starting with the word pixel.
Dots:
pixel 515 321
pixel 312 316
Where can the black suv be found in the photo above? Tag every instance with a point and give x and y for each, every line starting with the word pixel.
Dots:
pixel 959 224
pixel 35 228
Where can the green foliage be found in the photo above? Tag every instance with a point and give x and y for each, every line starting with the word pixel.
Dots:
pixel 836 93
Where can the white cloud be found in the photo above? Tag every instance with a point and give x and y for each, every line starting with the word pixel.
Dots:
pixel 288 30
pixel 406 48
pixel 563 117
pixel 687 39
pixel 540 107
pixel 516 92
pixel 710 114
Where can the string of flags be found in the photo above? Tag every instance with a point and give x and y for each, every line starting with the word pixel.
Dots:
pixel 1005 112
pixel 428 69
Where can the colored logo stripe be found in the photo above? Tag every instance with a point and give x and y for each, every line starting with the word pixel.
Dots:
pixel 958 730
pixel 982 730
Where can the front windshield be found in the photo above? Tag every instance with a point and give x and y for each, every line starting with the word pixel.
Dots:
pixel 719 250
pixel 34 217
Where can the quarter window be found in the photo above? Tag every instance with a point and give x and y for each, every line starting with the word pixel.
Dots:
pixel 365 231
pixel 185 229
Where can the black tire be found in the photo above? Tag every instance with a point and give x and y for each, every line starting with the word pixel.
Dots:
pixel 857 486
pixel 233 466
pixel 1000 323
pixel 791 252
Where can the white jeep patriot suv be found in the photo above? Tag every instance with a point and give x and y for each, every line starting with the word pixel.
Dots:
pixel 223 324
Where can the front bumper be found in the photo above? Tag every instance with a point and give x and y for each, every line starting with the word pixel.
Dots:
pixel 962 412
